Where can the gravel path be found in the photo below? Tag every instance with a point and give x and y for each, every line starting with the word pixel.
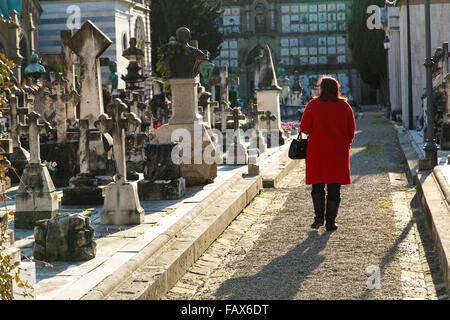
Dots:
pixel 270 252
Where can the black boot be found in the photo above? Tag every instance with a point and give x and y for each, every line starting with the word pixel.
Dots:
pixel 319 209
pixel 331 214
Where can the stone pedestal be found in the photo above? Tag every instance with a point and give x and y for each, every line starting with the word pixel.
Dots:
pixel 162 189
pixel 185 100
pixel 36 198
pixel 200 151
pixel 121 205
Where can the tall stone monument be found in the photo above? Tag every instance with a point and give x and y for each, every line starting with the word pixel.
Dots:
pixel 89 43
pixel 181 63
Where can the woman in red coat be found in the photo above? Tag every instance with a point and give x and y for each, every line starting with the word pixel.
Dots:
pixel 328 120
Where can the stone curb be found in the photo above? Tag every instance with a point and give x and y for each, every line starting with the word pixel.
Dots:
pixel 434 194
pixel 109 283
pixel 275 172
pixel 443 184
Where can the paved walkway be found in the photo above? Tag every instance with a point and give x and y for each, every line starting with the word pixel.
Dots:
pixel 270 252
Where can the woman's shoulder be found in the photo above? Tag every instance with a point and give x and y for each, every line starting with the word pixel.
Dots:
pixel 313 102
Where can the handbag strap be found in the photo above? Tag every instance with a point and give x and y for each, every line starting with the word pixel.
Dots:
pixel 300 136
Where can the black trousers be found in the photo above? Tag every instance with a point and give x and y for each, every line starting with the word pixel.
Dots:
pixel 333 190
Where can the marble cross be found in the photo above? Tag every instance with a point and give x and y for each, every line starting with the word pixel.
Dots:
pixel 255 114
pixel 67 60
pixel 268 117
pixel 120 122
pixel 89 43
pixel 63 96
pixel 237 115
pixel 34 130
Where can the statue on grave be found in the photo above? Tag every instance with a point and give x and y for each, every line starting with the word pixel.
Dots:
pixel 178 59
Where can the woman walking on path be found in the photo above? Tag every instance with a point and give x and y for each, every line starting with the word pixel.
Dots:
pixel 329 121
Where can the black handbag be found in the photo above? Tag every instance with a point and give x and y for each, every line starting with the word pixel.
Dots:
pixel 297 150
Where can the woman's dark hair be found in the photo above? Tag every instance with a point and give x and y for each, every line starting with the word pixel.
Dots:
pixel 330 89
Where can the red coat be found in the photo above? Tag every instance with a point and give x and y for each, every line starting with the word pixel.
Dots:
pixel 331 129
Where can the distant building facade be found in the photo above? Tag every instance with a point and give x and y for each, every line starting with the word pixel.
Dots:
pixel 119 20
pixel 309 37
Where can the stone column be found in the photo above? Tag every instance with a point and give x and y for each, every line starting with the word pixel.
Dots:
pixel 395 84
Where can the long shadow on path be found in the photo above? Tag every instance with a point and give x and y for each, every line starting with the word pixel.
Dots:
pixel 282 277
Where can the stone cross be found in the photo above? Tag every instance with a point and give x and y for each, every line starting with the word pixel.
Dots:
pixel 268 117
pixel 258 141
pixel 67 60
pixel 89 43
pixel 221 78
pixel 34 130
pixel 63 96
pixel 255 114
pixel 236 115
pixel 119 122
